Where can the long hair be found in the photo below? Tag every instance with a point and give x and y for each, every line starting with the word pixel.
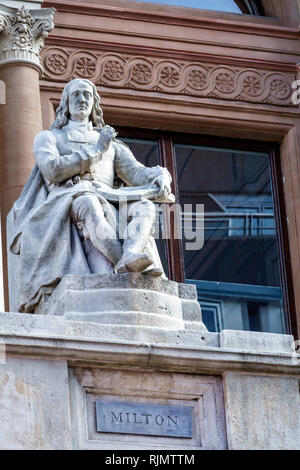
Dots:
pixel 63 113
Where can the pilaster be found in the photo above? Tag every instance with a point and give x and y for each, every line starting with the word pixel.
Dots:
pixel 22 35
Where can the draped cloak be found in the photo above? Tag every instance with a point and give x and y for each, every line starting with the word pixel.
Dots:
pixel 43 235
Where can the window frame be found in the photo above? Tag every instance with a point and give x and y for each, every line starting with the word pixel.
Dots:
pixel 255 6
pixel 166 142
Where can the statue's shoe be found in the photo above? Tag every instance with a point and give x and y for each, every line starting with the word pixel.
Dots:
pixel 133 263
pixel 155 272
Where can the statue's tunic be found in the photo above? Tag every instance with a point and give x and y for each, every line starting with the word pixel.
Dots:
pixel 45 238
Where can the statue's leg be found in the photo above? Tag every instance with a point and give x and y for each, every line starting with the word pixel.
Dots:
pixel 88 215
pixel 141 217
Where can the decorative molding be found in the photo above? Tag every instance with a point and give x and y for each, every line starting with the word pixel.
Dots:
pixel 79 43
pixel 108 353
pixel 245 24
pixel 22 34
pixel 160 75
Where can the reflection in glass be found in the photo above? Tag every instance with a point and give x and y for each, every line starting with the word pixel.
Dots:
pixel 217 5
pixel 238 265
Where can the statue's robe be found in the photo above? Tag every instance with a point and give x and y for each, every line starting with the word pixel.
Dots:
pixel 45 239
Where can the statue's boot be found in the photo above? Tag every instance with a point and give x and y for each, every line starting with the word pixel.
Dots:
pixel 151 271
pixel 132 261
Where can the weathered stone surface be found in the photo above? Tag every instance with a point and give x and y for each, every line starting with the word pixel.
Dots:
pixel 58 326
pixel 27 324
pixel 188 337
pixel 124 281
pixel 191 311
pixel 143 365
pixel 187 291
pixel 68 200
pixel 134 319
pixel 34 404
pixel 128 299
pixel 256 341
pixel 202 394
pixel 195 350
pixel 262 413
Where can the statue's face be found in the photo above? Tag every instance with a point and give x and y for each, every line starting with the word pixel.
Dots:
pixel 81 101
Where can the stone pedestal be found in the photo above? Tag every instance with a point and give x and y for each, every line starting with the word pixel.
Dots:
pixel 235 390
pixel 126 300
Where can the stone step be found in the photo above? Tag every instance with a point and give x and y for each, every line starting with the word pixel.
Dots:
pixel 126 299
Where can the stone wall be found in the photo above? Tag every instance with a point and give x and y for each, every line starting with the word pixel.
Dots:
pixel 241 389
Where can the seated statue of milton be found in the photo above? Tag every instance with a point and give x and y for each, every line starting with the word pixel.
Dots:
pixel 68 216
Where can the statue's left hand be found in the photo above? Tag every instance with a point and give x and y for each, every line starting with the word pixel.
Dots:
pixel 163 183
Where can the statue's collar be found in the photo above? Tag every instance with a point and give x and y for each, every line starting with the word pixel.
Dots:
pixel 77 131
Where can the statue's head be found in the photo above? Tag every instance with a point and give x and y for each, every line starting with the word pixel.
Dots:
pixel 79 99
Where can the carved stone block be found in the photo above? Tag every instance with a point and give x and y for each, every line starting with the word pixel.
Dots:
pixel 127 299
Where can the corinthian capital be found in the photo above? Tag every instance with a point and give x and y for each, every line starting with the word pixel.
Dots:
pixel 22 34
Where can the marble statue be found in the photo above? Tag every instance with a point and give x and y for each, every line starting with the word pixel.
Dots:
pixel 68 217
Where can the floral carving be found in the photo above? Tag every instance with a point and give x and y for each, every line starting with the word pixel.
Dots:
pixel 141 73
pixel 225 82
pixel 56 63
pixel 280 88
pixel 113 70
pixel 22 23
pixel 252 86
pixel 169 76
pixel 85 67
pixel 21 40
pixel 154 75
pixel 197 79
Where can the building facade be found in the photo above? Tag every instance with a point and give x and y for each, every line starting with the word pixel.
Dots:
pixel 208 90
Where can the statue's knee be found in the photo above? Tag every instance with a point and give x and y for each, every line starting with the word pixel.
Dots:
pixel 85 206
pixel 150 209
pixel 145 209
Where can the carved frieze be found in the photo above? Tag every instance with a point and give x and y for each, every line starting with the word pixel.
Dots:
pixel 160 75
pixel 22 34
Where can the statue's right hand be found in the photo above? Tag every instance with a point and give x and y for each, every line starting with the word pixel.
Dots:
pixel 92 152
pixel 107 134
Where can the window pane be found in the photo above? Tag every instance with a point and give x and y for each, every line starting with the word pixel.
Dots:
pixel 146 152
pixel 217 5
pixel 238 264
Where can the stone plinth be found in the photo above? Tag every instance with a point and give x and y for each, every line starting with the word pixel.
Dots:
pixel 126 300
pixel 240 388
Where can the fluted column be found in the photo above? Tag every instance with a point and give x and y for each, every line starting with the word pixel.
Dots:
pixel 22 35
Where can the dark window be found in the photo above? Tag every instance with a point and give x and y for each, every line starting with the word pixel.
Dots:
pixel 232 239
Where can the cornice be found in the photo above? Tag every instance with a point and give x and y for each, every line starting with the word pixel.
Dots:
pixel 147 356
pixel 54 337
pixel 240 27
pixel 94 45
